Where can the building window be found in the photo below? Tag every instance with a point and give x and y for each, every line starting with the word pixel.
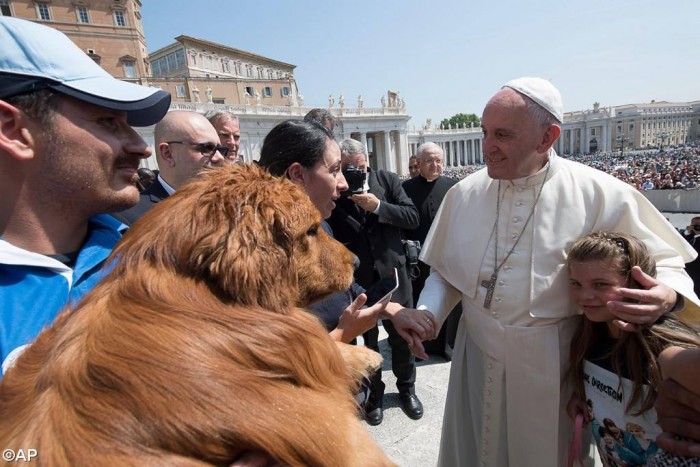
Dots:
pixel 43 11
pixel 218 100
pixel 83 14
pixel 120 18
pixel 180 90
pixel 226 66
pixel 592 131
pixel 249 71
pixel 129 69
pixel 619 128
pixel 267 91
pixel 260 73
pixel 5 8
pixel 239 70
pixel 270 74
pixel 631 126
pixel 285 91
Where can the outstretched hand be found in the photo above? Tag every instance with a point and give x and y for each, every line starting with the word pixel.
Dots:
pixel 356 320
pixel 647 304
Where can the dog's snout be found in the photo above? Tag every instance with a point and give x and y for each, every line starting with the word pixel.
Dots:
pixel 355 262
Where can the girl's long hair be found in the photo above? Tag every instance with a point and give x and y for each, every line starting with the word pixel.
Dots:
pixel 637 351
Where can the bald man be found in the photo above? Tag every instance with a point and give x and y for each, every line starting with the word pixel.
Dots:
pixel 185 143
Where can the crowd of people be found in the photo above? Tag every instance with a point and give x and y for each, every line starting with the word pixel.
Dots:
pixel 494 263
pixel 671 169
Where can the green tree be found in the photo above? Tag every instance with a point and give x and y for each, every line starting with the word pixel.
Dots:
pixel 461 120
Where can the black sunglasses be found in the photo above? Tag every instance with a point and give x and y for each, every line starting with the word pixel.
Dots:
pixel 205 149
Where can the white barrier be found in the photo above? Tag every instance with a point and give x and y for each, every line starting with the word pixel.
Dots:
pixel 674 200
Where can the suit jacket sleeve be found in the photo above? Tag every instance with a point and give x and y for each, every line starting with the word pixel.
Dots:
pixel 396 208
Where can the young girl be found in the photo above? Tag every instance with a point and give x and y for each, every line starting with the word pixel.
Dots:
pixel 616 371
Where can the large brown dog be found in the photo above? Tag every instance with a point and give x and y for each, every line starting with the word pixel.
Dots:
pixel 193 350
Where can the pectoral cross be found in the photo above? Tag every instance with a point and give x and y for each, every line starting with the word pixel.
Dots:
pixel 490 287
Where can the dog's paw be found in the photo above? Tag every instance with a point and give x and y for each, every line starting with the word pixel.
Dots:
pixel 359 359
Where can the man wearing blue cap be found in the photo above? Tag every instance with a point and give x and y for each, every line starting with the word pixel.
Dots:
pixel 498 245
pixel 68 154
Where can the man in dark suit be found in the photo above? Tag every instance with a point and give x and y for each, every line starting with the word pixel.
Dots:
pixel 369 224
pixel 692 235
pixel 427 191
pixel 185 143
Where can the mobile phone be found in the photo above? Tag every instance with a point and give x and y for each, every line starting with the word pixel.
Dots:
pixel 382 290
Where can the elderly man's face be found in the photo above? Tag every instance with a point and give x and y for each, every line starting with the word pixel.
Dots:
pixel 431 164
pixel 511 138
pixel 229 131
pixel 90 155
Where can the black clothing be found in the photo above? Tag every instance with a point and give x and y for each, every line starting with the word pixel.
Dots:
pixel 330 309
pixel 376 240
pixel 427 196
pixel 693 268
pixel 151 196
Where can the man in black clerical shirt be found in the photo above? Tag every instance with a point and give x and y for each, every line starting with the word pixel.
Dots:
pixel 427 191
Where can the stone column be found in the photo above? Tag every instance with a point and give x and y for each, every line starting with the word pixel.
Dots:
pixel 402 153
pixel 388 156
pixel 572 133
pixel 604 143
pixel 363 140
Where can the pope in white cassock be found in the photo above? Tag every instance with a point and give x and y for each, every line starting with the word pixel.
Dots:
pixel 498 244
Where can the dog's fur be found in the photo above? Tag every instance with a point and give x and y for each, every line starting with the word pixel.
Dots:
pixel 194 350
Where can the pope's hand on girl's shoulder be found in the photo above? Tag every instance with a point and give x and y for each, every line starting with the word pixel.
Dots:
pixel 645 305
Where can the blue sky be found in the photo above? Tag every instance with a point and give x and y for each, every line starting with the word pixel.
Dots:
pixel 446 57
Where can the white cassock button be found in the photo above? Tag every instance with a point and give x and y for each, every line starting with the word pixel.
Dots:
pixel 516 220
pixel 519 203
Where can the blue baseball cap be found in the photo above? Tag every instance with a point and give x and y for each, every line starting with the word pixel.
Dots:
pixel 33 56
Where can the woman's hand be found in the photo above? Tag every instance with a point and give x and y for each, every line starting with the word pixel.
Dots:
pixel 356 320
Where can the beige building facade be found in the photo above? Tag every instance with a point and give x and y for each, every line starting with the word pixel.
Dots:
pixel 198 71
pixel 109 31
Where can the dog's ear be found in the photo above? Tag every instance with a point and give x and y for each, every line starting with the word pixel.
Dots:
pixel 234 228
pixel 242 239
pixel 250 262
